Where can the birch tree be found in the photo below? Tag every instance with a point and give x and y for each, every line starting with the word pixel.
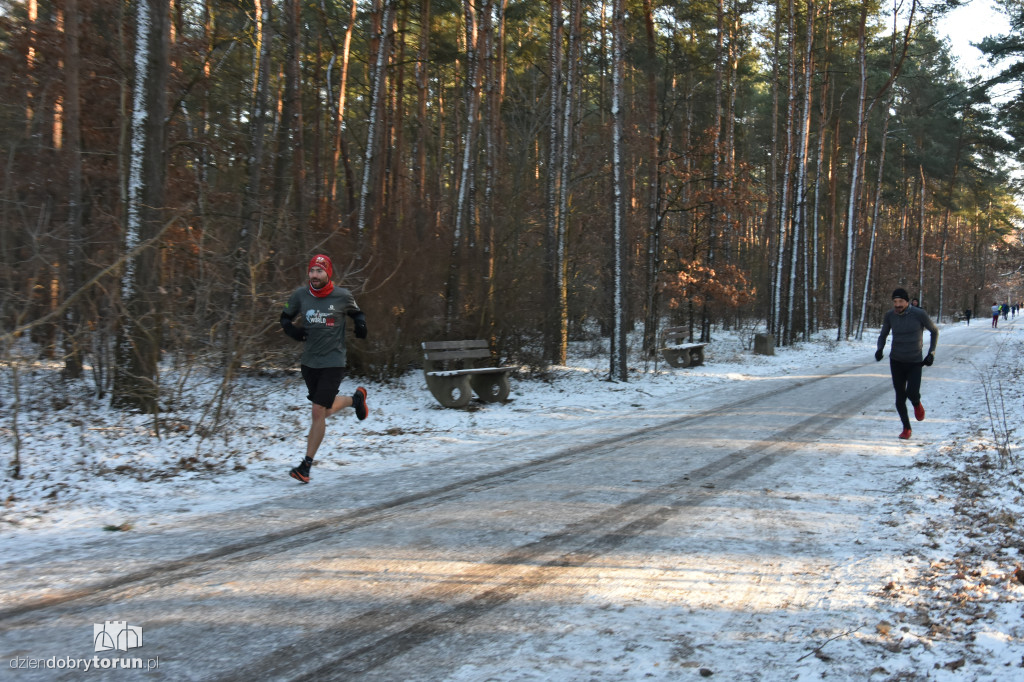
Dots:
pixel 619 367
pixel 781 322
pixel 864 107
pixel 377 95
pixel 800 241
pixel 464 213
pixel 564 185
pixel 138 342
pixel 876 205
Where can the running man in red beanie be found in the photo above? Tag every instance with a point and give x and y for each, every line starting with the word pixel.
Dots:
pixel 320 308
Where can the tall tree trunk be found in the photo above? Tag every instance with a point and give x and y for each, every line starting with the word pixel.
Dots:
pixel 802 162
pixel 73 152
pixel 340 155
pixel 855 167
pixel 874 228
pixel 377 78
pixel 252 214
pixel 864 107
pixel 921 229
pixel 714 228
pixel 32 11
pixel 772 214
pixel 653 218
pixel 288 192
pixel 819 165
pixel 554 168
pixel 782 320
pixel 138 348
pixel 618 366
pixel 564 184
pixel 801 124
pixel 465 220
pixel 945 218
pixel 422 216
pixel 492 26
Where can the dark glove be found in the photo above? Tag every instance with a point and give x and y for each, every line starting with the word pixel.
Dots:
pixel 879 355
pixel 929 359
pixel 359 320
pixel 291 330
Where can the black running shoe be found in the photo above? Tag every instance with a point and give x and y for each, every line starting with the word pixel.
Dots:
pixel 359 403
pixel 301 472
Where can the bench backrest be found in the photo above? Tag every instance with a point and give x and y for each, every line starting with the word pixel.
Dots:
pixel 674 335
pixel 441 355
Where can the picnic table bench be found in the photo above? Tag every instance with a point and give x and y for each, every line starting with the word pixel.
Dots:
pixel 678 353
pixel 453 371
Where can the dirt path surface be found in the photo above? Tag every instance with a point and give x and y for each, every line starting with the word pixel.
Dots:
pixel 758 536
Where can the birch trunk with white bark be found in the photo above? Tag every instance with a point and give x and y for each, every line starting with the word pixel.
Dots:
pixel 136 381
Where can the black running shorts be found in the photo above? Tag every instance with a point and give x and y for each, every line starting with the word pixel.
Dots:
pixel 322 384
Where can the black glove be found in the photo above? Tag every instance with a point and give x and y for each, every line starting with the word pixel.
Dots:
pixel 878 355
pixel 929 359
pixel 291 330
pixel 359 320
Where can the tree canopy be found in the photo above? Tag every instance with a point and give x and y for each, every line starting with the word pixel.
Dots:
pixel 783 167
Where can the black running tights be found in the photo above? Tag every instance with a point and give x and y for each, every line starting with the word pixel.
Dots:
pixel 906 379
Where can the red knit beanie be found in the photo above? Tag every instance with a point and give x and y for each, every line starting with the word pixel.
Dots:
pixel 320 260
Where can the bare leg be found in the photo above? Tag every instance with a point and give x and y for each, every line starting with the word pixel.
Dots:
pixel 319 426
pixel 340 403
pixel 316 430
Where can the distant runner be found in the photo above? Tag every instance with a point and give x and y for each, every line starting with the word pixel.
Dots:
pixel 907 324
pixel 320 308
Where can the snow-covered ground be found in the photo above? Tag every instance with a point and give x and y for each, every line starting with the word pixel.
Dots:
pixel 952 611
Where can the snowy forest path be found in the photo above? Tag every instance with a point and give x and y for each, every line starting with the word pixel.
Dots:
pixel 739 509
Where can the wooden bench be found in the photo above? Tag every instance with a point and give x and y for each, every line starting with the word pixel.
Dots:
pixel 680 354
pixel 454 372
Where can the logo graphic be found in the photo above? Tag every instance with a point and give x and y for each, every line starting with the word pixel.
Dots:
pixel 314 316
pixel 116 634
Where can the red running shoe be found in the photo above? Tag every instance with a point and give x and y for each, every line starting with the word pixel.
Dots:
pixel 919 412
pixel 301 472
pixel 905 434
pixel 359 403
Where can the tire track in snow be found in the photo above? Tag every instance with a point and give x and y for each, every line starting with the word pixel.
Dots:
pixel 439 610
pixel 169 572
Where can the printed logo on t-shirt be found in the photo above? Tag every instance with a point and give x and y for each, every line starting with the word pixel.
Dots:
pixel 319 317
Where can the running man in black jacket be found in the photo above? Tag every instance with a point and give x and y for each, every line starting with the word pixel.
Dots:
pixel 907 324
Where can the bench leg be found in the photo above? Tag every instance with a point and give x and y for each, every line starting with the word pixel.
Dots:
pixel 491 388
pixel 696 357
pixel 672 358
pixel 451 391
